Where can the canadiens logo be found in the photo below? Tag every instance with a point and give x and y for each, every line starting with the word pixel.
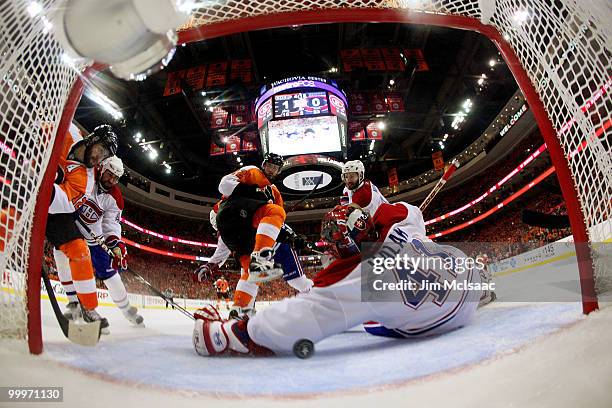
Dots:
pixel 90 212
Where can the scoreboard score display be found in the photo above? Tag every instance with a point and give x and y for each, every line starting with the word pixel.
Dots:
pixel 302 115
pixel 300 104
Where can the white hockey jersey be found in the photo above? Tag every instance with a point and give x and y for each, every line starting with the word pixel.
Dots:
pixel 416 312
pixel 367 196
pixel 101 211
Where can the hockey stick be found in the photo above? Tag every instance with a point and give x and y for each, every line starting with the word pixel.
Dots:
pixel 142 280
pixel 85 334
pixel 294 206
pixel 434 192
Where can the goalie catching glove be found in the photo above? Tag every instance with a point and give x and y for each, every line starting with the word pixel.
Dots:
pixel 119 260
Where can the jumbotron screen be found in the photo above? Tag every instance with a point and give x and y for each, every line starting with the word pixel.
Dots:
pixel 302 115
pixel 305 135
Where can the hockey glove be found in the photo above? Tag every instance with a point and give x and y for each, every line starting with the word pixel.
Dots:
pixel 205 271
pixel 119 260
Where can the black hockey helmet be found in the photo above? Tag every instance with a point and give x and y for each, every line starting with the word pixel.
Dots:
pixel 273 158
pixel 105 135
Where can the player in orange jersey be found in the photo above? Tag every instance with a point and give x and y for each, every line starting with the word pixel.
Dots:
pixel 249 221
pixel 222 289
pixel 74 182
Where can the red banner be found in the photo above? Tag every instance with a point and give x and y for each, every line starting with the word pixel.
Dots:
pixel 249 141
pixel 356 131
pixel 216 150
pixel 217 74
pixel 358 104
pixel 173 82
pixel 372 59
pixel 438 160
pixel 395 102
pixel 393 59
pixel 417 55
pixel 377 103
pixel 241 115
pixel 218 119
pixel 195 77
pixel 374 133
pixel 242 71
pixel 233 144
pixel 351 59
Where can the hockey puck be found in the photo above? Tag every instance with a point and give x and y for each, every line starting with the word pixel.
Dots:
pixel 303 348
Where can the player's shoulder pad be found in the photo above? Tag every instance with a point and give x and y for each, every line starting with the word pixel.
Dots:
pixel 115 192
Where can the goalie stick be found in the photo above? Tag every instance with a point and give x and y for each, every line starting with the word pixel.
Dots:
pixel 142 280
pixel 85 334
pixel 445 177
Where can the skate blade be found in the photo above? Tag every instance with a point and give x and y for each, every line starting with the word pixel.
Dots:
pixel 85 334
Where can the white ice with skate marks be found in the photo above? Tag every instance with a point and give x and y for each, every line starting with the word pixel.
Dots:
pixel 161 355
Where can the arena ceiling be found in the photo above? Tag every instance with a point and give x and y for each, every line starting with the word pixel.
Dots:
pixel 178 126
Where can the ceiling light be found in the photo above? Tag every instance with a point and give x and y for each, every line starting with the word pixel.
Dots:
pixel 491 62
pixel 34 8
pixel 381 125
pixel 203 93
pixel 480 81
pixel 153 154
pixel 391 82
pixel 208 102
pixel 520 16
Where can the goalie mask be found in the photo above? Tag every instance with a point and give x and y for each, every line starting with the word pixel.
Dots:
pixel 345 227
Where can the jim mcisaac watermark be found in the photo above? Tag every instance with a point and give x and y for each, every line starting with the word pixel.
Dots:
pixel 414 271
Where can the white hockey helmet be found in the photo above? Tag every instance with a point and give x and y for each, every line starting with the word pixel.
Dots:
pixel 213 219
pixel 112 164
pixel 354 166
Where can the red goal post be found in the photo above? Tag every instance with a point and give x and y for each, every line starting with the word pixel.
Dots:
pixel 557 52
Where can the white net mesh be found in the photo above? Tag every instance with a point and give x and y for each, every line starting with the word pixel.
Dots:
pixel 35 85
pixel 563 45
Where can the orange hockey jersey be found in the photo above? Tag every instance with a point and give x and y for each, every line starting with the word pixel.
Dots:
pixel 74 180
pixel 250 175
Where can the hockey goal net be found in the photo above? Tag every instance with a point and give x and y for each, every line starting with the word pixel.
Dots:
pixel 558 51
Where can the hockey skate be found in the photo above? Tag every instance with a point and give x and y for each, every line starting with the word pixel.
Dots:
pixel 262 267
pixel 73 311
pixel 92 315
pixel 131 313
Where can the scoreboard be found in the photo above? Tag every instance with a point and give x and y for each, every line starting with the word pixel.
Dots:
pixel 302 115
pixel 300 104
